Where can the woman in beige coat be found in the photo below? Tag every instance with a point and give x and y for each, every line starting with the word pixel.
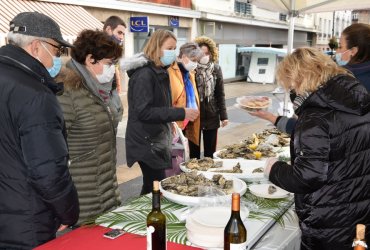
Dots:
pixel 183 88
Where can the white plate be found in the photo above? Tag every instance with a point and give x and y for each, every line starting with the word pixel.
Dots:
pixel 239 186
pixel 261 190
pixel 247 166
pixel 216 216
pixel 241 101
pixel 280 151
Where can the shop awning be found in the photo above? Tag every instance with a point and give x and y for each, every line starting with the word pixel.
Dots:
pixel 269 50
pixel 72 19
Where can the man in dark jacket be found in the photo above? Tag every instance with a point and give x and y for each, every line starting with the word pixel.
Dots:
pixel 37 195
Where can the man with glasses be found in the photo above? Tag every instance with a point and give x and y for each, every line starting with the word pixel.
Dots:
pixel 37 195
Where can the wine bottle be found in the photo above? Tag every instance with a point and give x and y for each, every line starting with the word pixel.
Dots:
pixel 359 242
pixel 235 234
pixel 156 223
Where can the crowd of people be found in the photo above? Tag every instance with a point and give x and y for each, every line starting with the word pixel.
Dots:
pixel 59 125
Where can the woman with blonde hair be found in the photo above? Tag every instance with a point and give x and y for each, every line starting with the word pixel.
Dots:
pixel 330 150
pixel 210 85
pixel 183 87
pixel 150 111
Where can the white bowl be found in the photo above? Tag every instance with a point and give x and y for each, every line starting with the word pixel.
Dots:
pixel 247 166
pixel 239 186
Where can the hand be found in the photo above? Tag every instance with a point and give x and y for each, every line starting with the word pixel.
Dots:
pixel 268 164
pixel 264 115
pixel 191 114
pixel 173 129
pixel 224 123
pixel 62 227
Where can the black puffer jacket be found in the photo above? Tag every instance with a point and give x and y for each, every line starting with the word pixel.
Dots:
pixel 212 111
pixel 331 172
pixel 36 190
pixel 150 111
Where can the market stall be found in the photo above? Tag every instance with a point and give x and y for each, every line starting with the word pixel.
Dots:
pixel 198 219
pixel 263 230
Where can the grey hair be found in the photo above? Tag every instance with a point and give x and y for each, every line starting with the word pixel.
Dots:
pixel 21 40
pixel 191 50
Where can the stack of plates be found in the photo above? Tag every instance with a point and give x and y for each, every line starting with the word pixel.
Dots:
pixel 205 226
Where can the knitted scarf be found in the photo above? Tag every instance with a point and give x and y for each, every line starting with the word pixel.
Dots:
pixel 206 74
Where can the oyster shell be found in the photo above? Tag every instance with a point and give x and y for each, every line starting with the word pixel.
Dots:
pixel 271 189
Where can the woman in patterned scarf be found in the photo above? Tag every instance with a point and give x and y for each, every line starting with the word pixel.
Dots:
pixel 210 87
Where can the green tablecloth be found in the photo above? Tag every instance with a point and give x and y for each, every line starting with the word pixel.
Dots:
pixel 132 216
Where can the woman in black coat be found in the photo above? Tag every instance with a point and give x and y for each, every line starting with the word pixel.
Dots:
pixel 210 86
pixel 150 111
pixel 330 170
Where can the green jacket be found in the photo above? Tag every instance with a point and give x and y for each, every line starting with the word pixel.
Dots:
pixel 91 136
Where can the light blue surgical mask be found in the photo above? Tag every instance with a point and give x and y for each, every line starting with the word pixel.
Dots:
pixel 57 64
pixel 338 58
pixel 169 56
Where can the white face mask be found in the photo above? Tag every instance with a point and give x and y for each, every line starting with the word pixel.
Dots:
pixel 108 73
pixel 190 65
pixel 204 60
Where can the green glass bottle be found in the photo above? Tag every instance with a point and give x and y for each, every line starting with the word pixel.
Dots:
pixel 156 223
pixel 235 234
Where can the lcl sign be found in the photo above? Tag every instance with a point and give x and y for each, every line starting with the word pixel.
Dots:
pixel 139 24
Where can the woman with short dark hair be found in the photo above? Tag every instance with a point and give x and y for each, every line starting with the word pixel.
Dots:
pixel 91 120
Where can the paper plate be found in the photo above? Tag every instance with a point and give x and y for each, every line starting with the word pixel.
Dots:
pixel 216 216
pixel 261 190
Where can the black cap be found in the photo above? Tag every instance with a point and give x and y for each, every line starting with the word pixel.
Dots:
pixel 39 25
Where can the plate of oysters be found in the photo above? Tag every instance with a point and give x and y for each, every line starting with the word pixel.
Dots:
pixel 238 168
pixel 269 191
pixel 193 188
pixel 253 103
pixel 259 146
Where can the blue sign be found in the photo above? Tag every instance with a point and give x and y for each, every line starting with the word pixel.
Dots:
pixel 174 21
pixel 139 24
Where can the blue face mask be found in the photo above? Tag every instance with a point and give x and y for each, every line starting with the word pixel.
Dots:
pixel 338 58
pixel 116 40
pixel 169 56
pixel 57 65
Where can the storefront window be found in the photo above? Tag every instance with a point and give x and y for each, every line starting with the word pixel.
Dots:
pixel 141 38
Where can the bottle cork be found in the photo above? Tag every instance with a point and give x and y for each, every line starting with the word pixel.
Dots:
pixel 155 185
pixel 235 205
pixel 360 231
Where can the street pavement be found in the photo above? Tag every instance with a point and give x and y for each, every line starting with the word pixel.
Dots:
pixel 241 125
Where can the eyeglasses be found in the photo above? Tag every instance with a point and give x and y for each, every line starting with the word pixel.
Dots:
pixel 109 63
pixel 61 50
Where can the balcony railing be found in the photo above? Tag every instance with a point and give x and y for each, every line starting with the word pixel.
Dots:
pixel 177 3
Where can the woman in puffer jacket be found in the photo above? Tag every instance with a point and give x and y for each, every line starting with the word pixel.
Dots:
pixel 330 150
pixel 91 117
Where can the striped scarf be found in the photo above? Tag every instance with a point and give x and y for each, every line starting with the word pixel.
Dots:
pixel 299 99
